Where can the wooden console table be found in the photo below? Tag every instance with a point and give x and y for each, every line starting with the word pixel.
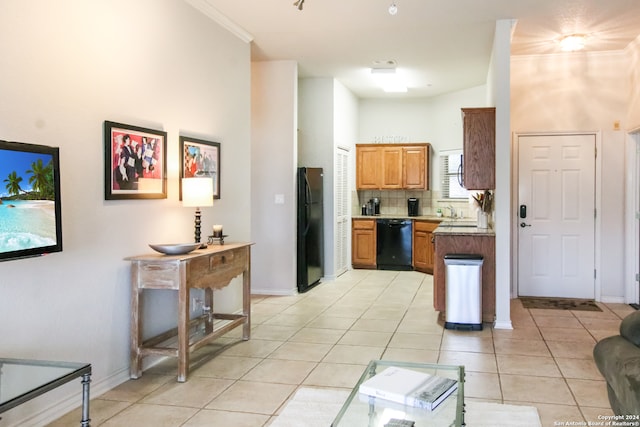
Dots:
pixel 208 269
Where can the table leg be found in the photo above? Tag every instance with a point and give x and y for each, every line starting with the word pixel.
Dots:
pixel 86 379
pixel 135 357
pixel 183 326
pixel 246 297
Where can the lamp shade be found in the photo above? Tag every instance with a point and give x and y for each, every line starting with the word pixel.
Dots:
pixel 197 192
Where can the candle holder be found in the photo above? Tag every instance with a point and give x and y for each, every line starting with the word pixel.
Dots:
pixel 213 238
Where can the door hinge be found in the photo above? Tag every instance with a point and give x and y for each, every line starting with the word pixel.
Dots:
pixel 595 275
pixel 637 215
pixel 637 277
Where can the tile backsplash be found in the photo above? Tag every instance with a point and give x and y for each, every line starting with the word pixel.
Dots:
pixel 394 202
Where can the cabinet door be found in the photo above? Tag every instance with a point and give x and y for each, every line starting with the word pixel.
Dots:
pixel 367 168
pixel 423 247
pixel 391 167
pixel 479 148
pixel 415 160
pixel 363 243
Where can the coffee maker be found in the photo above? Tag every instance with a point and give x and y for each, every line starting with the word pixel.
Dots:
pixel 375 202
pixel 413 206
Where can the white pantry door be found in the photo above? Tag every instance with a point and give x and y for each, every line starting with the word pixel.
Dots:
pixel 556 234
pixel 343 218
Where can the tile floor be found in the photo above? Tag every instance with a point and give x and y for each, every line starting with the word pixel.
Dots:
pixel 326 337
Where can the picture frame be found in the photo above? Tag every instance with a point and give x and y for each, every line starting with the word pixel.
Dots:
pixel 135 162
pixel 200 158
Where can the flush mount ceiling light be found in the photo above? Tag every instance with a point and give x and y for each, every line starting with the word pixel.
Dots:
pixel 299 3
pixel 389 80
pixel 573 42
pixel 393 9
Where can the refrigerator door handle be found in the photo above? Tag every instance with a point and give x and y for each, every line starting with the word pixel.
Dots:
pixel 308 199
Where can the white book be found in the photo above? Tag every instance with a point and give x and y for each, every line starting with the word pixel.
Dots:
pixel 409 387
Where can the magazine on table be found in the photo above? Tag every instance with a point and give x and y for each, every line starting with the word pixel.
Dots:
pixel 409 387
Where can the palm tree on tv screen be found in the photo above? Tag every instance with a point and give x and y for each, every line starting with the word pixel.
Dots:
pixel 13 183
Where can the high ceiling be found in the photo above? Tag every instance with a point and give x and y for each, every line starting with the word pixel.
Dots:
pixel 438 45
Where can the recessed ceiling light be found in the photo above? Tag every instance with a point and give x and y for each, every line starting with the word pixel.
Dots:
pixel 573 42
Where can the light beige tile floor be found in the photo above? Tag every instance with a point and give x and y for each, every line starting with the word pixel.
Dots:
pixel 325 338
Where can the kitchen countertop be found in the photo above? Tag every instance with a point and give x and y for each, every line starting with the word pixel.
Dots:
pixel 462 227
pixel 388 216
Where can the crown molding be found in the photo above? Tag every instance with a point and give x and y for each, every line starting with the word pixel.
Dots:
pixel 218 17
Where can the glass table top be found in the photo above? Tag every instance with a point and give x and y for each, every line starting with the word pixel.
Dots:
pixel 363 410
pixel 22 380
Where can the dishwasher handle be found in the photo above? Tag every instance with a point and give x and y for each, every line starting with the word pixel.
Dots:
pixel 394 222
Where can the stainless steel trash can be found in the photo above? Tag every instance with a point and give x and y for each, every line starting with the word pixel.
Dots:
pixel 463 293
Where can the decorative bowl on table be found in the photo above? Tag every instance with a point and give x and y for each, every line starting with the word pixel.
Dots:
pixel 175 248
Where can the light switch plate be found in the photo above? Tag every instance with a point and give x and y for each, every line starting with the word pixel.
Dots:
pixel 279 199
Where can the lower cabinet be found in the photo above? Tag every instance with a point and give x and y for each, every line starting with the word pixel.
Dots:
pixel 363 243
pixel 423 246
pixel 477 244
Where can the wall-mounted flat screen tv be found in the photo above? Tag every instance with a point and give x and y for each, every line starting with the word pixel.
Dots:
pixel 30 210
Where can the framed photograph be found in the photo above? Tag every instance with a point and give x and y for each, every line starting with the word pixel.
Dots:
pixel 135 162
pixel 200 158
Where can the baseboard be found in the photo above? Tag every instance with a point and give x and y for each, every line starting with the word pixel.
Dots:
pixel 505 324
pixel 611 300
pixel 55 410
pixel 274 292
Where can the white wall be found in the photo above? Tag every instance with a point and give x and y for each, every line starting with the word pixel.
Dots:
pixel 436 120
pixel 274 92
pixel 327 119
pixel 633 113
pixel 583 92
pixel 499 95
pixel 66 67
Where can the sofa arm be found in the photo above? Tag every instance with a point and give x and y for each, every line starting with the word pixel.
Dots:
pixel 630 328
pixel 619 362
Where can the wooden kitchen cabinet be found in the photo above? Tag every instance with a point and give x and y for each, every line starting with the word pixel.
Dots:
pixel 392 169
pixel 363 243
pixel 415 174
pixel 423 246
pixel 392 166
pixel 479 148
pixel 368 161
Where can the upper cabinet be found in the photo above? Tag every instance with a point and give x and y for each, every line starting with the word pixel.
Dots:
pixel 478 164
pixel 392 166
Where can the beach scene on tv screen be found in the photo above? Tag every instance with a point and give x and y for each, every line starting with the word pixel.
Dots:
pixel 27 201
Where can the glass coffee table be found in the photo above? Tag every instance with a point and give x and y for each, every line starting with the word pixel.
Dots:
pixel 363 410
pixel 22 380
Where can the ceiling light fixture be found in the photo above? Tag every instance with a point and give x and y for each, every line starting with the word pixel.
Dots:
pixel 389 80
pixel 393 9
pixel 299 3
pixel 572 42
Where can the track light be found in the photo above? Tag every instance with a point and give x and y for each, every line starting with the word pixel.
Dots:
pixel 299 3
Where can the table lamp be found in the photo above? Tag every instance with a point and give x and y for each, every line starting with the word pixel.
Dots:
pixel 197 192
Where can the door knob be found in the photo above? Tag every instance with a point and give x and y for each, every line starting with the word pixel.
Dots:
pixel 523 225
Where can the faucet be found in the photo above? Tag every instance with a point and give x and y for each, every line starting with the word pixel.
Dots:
pixel 453 211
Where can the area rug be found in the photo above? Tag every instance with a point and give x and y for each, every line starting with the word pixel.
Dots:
pixel 313 407
pixel 560 303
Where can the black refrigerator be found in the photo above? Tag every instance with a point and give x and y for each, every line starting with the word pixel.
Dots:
pixel 310 229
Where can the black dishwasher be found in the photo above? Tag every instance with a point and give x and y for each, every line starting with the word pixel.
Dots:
pixel 393 247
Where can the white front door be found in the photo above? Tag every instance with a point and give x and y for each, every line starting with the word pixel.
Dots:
pixel 556 209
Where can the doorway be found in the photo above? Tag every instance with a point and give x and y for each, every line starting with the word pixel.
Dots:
pixel 632 220
pixel 556 215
